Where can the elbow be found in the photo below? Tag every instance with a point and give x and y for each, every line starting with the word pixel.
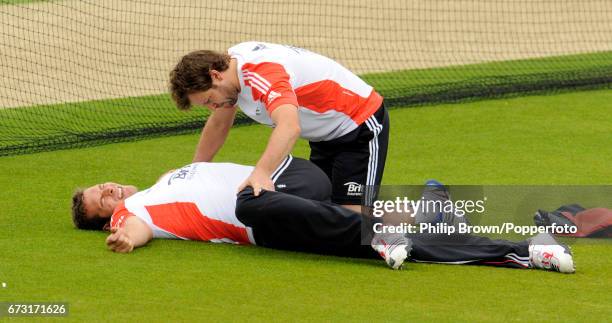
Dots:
pixel 290 130
pixel 297 131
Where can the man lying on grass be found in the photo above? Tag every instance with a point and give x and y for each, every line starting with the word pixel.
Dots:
pixel 200 202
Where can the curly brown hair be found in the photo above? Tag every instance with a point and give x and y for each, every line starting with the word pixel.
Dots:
pixel 192 74
pixel 79 216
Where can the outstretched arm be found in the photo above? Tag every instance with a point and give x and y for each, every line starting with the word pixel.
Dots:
pixel 133 234
pixel 214 133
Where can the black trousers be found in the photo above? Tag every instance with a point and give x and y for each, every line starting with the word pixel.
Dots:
pixel 300 217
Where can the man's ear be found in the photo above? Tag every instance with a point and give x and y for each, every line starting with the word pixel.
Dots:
pixel 216 75
pixel 107 226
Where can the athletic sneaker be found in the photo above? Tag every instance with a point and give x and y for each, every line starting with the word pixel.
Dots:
pixel 393 247
pixel 546 253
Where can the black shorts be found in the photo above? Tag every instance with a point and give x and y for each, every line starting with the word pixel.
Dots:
pixel 299 177
pixel 355 159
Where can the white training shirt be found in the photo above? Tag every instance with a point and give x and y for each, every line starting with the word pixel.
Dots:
pixel 196 202
pixel 331 100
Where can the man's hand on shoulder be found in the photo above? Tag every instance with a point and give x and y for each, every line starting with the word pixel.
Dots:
pixel 119 241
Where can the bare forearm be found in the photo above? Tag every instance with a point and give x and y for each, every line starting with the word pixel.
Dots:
pixel 279 146
pixel 135 233
pixel 139 239
pixel 213 135
pixel 210 142
pixel 281 143
pixel 138 232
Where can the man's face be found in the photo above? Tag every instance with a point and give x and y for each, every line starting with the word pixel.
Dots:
pixel 222 94
pixel 100 200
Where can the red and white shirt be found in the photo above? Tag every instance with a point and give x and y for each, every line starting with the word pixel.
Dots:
pixel 196 202
pixel 331 100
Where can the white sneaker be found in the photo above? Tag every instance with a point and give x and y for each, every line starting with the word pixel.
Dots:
pixel 393 247
pixel 551 256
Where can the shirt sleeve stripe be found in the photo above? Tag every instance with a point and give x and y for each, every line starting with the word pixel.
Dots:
pixel 260 78
pixel 258 87
pixel 259 83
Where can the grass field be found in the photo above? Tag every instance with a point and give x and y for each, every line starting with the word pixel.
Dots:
pixel 556 139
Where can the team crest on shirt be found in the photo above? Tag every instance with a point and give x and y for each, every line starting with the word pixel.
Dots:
pixel 186 172
pixel 259 47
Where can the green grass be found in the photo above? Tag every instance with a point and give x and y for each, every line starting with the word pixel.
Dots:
pixel 47 127
pixel 560 139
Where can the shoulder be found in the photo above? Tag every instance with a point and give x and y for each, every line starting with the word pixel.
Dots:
pixel 120 215
pixel 246 47
pixel 257 52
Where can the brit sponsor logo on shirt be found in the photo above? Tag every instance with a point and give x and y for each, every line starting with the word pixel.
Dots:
pixel 354 189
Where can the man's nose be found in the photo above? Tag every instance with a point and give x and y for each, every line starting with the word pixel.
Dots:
pixel 109 190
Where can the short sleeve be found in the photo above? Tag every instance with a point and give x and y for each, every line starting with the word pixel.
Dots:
pixel 269 84
pixel 120 215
